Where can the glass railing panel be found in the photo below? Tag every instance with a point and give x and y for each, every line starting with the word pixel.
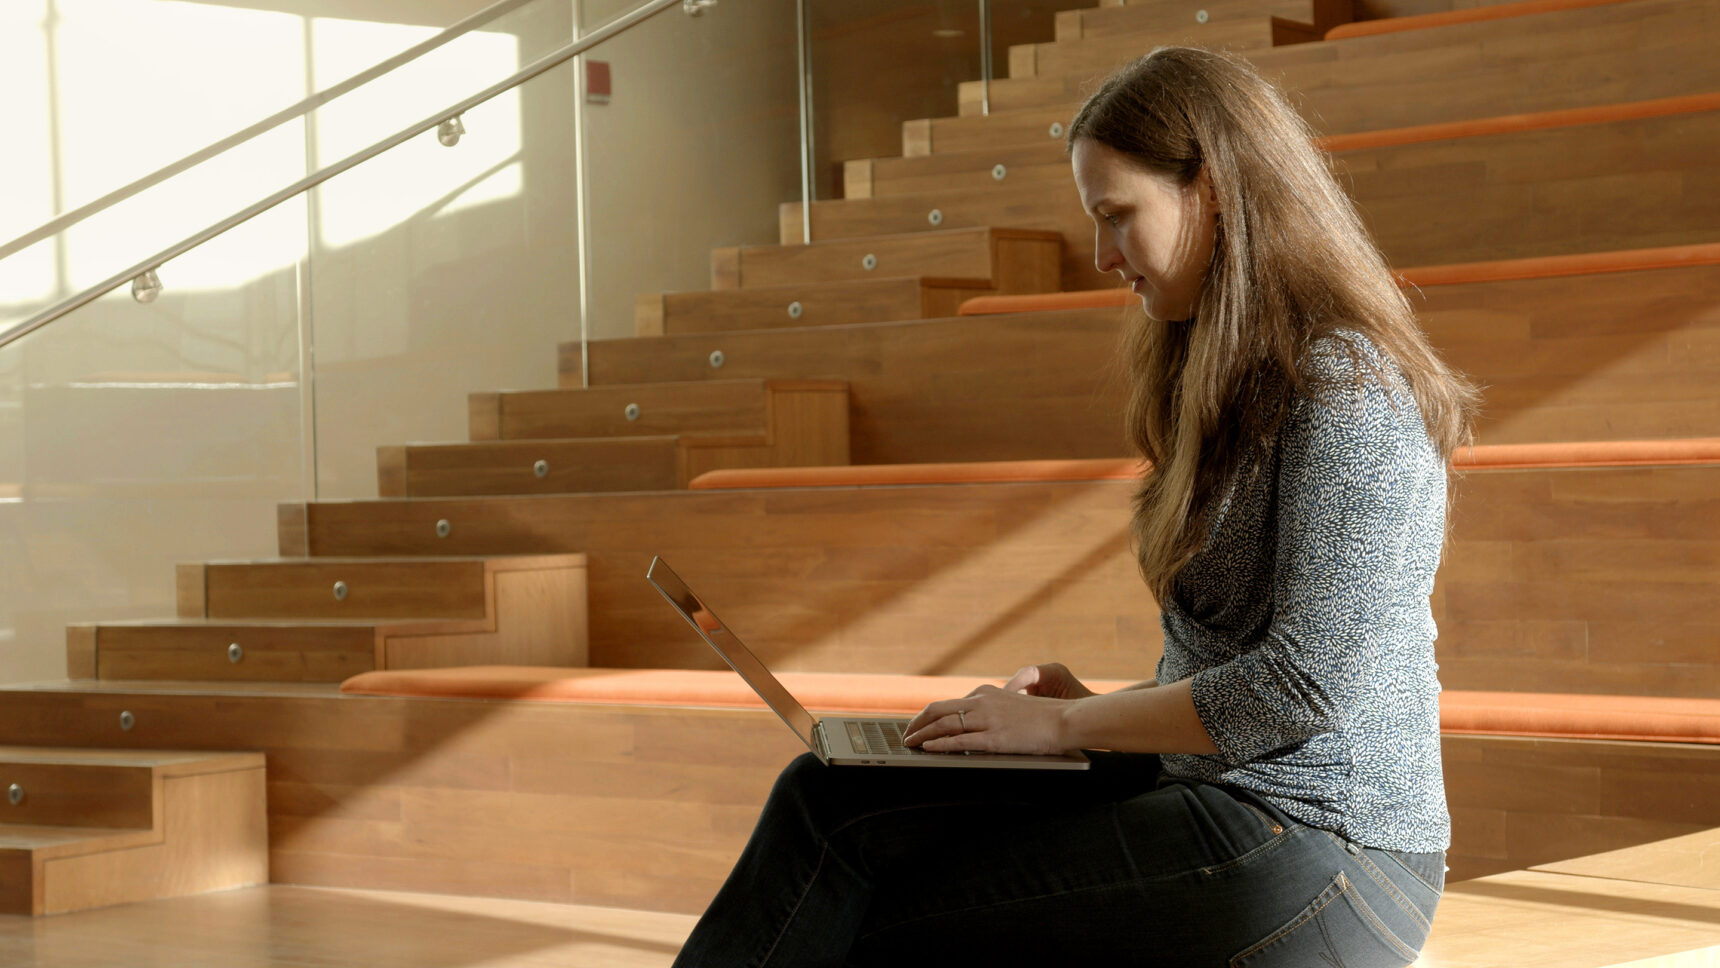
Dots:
pixel 135 436
pixel 877 65
pixel 442 270
pixel 695 148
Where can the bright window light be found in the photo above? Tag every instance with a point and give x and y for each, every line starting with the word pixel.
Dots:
pixel 420 175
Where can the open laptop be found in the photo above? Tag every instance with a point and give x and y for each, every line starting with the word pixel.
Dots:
pixel 837 742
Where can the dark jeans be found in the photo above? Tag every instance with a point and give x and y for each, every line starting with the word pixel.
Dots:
pixel 1115 866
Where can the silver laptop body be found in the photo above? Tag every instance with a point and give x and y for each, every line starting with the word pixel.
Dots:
pixel 835 741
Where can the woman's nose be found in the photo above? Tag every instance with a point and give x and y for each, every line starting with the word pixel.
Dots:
pixel 1105 257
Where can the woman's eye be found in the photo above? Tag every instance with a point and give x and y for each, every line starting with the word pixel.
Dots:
pixel 1110 217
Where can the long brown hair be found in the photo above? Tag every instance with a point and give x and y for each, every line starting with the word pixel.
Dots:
pixel 1292 262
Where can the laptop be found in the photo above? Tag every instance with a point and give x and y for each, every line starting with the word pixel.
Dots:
pixel 835 741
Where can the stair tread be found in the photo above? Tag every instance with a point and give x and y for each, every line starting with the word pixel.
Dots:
pixel 567 558
pixel 132 758
pixel 41 836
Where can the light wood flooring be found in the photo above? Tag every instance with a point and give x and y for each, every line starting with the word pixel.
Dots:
pixel 299 927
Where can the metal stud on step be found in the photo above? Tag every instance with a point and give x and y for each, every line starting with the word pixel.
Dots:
pixel 127 720
pixel 795 310
pixel 444 528
pixel 936 217
pixel 1200 17
pixel 631 413
pixel 717 359
pixel 15 793
pixel 340 591
pixel 869 263
pixel 541 468
pixel 235 654
pixel 1056 129
pixel 998 172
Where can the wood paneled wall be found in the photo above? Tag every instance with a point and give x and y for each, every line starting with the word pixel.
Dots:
pixel 1597 580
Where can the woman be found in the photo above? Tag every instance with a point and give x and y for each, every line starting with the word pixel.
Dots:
pixel 1277 800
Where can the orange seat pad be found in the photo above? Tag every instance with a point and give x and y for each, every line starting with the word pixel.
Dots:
pixel 1642 718
pixel 842 692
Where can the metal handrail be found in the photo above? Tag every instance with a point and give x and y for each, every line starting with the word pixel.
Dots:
pixel 542 65
pixel 54 227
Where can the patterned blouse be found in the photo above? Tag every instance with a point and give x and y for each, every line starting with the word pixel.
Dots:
pixel 1304 619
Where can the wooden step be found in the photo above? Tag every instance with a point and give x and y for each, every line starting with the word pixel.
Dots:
pixel 87 828
pixel 1013 259
pixel 1152 20
pixel 1051 207
pixel 641 410
pixel 1629 355
pixel 962 388
pixel 824 304
pixel 794 423
pixel 423 588
pixel 1632 51
pixel 1584 188
pixel 538 618
pixel 1007 167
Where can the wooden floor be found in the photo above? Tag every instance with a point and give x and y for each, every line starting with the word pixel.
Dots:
pixel 300 927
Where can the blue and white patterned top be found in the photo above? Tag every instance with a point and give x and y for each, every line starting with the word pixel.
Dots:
pixel 1304 618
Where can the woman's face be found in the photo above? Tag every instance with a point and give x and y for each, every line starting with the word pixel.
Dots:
pixel 1156 234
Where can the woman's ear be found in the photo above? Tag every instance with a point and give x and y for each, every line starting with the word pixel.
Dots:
pixel 1207 191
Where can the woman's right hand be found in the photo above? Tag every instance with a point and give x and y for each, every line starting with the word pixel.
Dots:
pixel 1053 680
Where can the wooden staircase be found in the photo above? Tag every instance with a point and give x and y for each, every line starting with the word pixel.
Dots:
pixel 86 828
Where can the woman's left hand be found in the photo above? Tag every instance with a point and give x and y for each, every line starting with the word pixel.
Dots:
pixel 991 720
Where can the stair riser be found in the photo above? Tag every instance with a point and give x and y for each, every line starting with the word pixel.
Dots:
pixel 511 468
pixel 836 304
pixel 1013 262
pixel 603 412
pixel 373 590
pixel 1022 165
pixel 68 795
pixel 306 654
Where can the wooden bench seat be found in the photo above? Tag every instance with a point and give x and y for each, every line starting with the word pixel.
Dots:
pixel 1556 553
pixel 1565 356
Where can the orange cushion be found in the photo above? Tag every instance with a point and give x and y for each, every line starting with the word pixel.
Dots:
pixel 1538 121
pixel 1647 718
pixel 1651 718
pixel 846 692
pixel 1392 25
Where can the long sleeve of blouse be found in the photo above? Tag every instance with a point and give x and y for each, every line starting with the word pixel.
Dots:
pixel 1305 624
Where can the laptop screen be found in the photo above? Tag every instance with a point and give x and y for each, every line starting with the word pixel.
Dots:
pixel 729 646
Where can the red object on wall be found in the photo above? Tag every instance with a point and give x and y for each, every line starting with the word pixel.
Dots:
pixel 597 82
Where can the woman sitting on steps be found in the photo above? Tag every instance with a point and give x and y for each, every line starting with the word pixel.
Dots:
pixel 1274 797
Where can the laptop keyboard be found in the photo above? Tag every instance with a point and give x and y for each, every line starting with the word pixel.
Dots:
pixel 879 736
